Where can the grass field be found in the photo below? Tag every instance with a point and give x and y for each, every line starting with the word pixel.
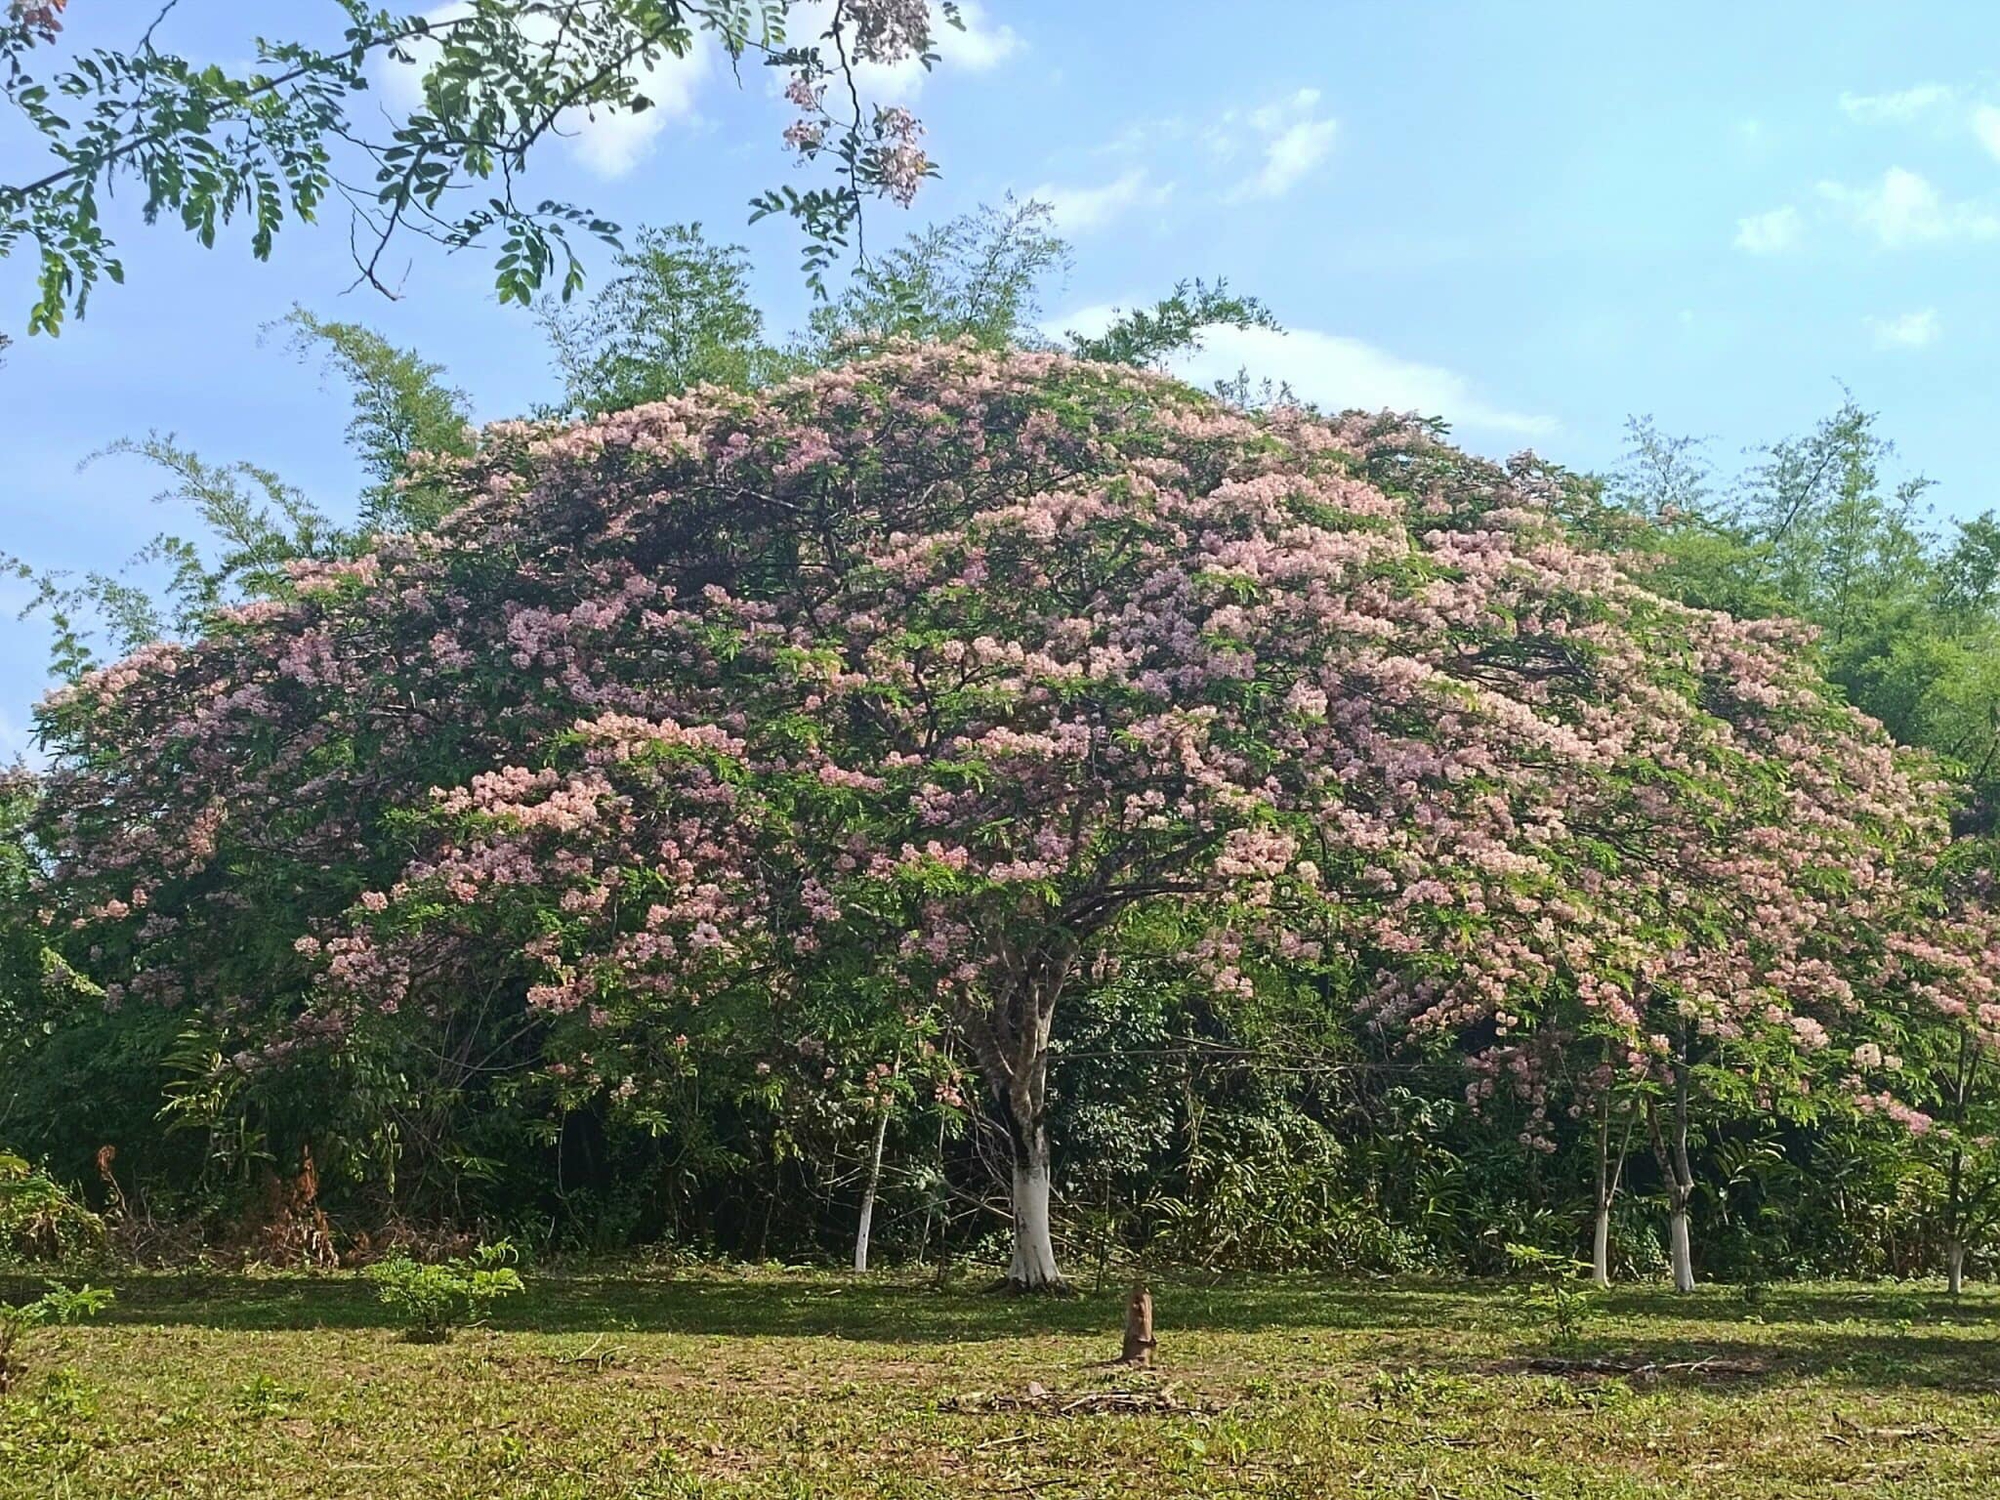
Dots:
pixel 796 1384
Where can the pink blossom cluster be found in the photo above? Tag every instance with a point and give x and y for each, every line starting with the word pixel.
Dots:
pixel 902 165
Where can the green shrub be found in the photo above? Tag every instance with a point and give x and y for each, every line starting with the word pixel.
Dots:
pixel 40 1221
pixel 431 1300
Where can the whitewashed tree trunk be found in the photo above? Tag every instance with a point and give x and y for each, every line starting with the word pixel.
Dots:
pixel 1609 1173
pixel 1681 1176
pixel 868 1197
pixel 1033 1268
pixel 1683 1251
pixel 1954 1201
pixel 1010 1035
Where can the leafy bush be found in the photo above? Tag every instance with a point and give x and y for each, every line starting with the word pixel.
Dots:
pixel 431 1300
pixel 40 1220
pixel 57 1305
pixel 1268 1192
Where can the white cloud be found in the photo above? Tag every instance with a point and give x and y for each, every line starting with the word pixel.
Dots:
pixel 616 141
pixel 1330 370
pixel 1145 135
pixel 1911 330
pixel 1338 372
pixel 1079 210
pixel 1770 233
pixel 1905 209
pixel 1295 139
pixel 1903 104
pixel 1930 100
pixel 1986 126
pixel 608 142
pixel 980 45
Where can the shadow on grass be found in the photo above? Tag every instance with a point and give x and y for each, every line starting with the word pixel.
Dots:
pixel 1889 1336
pixel 808 1305
pixel 1871 1360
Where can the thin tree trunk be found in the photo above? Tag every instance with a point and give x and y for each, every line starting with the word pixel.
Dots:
pixel 868 1197
pixel 1954 1202
pixel 932 1206
pixel 1683 1192
pixel 1954 1246
pixel 1607 1188
pixel 1674 1166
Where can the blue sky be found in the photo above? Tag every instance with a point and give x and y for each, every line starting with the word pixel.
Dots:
pixel 1534 219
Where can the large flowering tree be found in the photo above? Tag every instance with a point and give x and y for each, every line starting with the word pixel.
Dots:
pixel 918 694
pixel 1928 1062
pixel 1729 919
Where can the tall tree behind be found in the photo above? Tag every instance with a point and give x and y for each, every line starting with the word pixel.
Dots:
pixel 979 276
pixel 1815 529
pixel 1152 336
pixel 248 522
pixel 676 315
pixel 401 406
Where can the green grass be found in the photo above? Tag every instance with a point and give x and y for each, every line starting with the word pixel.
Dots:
pixel 812 1384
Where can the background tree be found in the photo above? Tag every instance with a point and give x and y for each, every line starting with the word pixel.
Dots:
pixel 980 276
pixel 249 524
pixel 401 406
pixel 1813 529
pixel 1150 337
pixel 252 524
pixel 676 313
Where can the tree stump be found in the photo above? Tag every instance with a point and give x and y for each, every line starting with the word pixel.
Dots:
pixel 1139 1340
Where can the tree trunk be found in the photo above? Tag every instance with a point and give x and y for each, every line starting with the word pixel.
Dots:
pixel 1608 1175
pixel 1678 1171
pixel 1139 1340
pixel 868 1197
pixel 1033 1268
pixel 1683 1250
pixel 1683 1194
pixel 1954 1203
pixel 1010 1036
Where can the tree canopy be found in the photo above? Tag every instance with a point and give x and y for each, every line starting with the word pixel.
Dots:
pixel 911 698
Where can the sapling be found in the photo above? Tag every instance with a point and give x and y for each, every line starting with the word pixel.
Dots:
pixel 1554 1297
pixel 432 1300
